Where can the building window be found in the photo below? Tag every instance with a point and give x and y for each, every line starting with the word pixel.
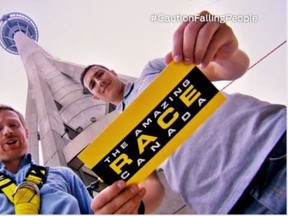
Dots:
pixel 58 105
pixel 111 107
pixel 85 91
pixel 72 133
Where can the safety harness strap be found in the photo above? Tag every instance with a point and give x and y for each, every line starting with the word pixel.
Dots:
pixel 37 174
pixel 26 195
pixel 7 186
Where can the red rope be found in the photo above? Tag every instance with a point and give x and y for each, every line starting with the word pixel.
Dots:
pixel 261 59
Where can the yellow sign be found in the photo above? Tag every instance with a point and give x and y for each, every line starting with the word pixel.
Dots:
pixel 159 120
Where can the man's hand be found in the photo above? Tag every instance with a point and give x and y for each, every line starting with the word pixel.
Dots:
pixel 212 45
pixel 201 42
pixel 118 199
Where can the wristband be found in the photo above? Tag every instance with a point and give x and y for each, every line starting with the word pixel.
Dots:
pixel 141 209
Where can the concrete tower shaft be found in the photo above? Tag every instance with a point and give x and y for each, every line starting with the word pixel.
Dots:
pixel 63 110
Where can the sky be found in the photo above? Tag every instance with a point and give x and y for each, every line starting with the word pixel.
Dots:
pixel 124 36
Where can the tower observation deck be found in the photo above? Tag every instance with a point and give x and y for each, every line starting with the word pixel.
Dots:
pixel 12 23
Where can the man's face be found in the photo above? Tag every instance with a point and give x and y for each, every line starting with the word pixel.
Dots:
pixel 13 137
pixel 104 85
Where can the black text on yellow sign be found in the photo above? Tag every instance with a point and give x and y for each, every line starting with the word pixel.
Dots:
pixel 162 117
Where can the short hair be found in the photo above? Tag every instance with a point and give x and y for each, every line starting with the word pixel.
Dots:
pixel 86 69
pixel 21 117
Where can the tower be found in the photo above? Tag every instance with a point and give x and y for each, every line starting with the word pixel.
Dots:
pixel 58 109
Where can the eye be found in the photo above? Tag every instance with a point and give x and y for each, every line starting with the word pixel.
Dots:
pixel 99 75
pixel 14 125
pixel 92 85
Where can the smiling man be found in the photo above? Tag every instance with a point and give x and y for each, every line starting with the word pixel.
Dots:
pixel 103 83
pixel 13 134
pixel 54 190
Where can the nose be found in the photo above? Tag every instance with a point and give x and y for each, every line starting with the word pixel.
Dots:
pixel 100 82
pixel 7 130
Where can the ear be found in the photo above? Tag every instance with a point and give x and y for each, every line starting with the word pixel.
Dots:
pixel 113 72
pixel 26 133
